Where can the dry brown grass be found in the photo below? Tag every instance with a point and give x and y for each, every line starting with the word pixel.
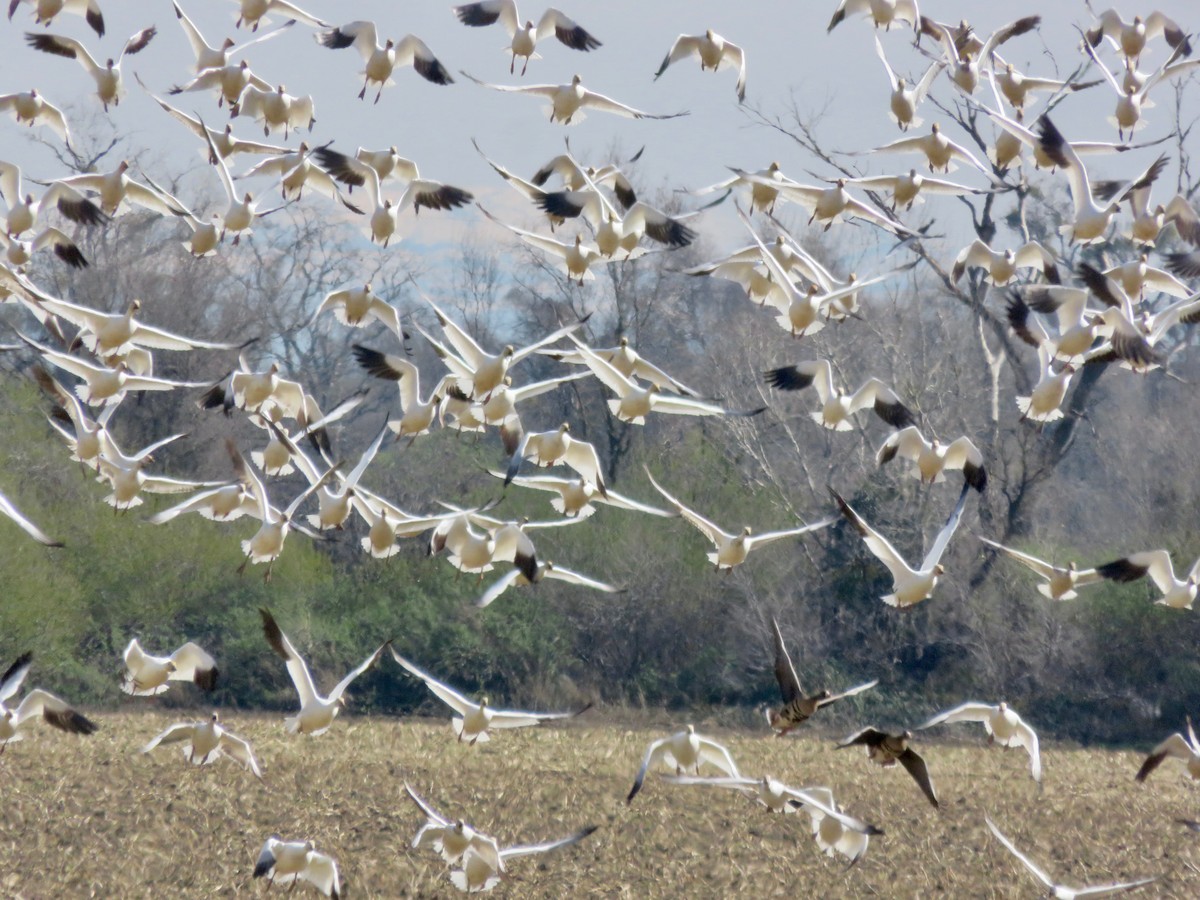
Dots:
pixel 92 817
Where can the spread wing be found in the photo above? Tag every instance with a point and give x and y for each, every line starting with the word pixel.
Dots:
pixel 947 532
pixel 443 692
pixel 785 672
pixel 354 673
pixel 192 663
pixel 707 528
pixel 296 666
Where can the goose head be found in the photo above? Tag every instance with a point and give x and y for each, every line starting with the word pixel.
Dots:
pixel 576 81
pixel 227 43
pixel 389 45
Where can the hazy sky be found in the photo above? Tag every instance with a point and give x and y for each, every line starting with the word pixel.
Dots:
pixel 789 55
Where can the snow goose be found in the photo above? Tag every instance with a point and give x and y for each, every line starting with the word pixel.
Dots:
pixel 932 458
pixel 567 101
pixel 525 38
pixel 210 57
pixel 108 76
pixel 36 703
pixel 1149 223
pixel 1090 219
pixel 827 203
pixel 333 498
pixel 575 259
pixel 964 63
pixel 517 577
pixel 612 230
pixel 798 708
pixel 472 720
pixel 289 862
pixel 416 414
pixel 500 408
pixel 576 496
pixel 681 751
pixel 449 839
pixel 1060 583
pixel 240 213
pixel 85 437
pixel 764 186
pixel 574 177
pixel 837 406
pixel 101 385
pixel 356 307
pixel 626 360
pixel 229 82
pixel 386 163
pixel 486 371
pixel 296 171
pixel 277 109
pixel 1003 727
pixel 550 448
pixel 106 334
pixel 1177 747
pixel 634 402
pixel 1060 891
pixel 909 585
pixel 19 253
pixel 775 796
pixel 1078 325
pixel 261 392
pixel 1131 100
pixel 316 713
pixel 267 543
pixel 44 12
pixel 1130 37
pixel 384 217
pixel 381 61
pixel 732 549
pixel 1002 265
pixel 882 12
pixel 118 192
pixel 905 99
pixel 220 504
pixel 24 211
pixel 1129 340
pixel 1016 86
pixel 940 152
pixel 886 748
pixel 714 52
pixel 226 142
pixel 207 741
pixel 253 13
pixel 1137 275
pixel 1044 402
pixel 30 107
pixel 10 512
pixel 828 831
pixel 909 189
pixel 484 864
pixel 128 479
pixel 1177 593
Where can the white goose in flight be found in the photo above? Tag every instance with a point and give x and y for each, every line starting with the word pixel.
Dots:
pixel 682 751
pixel 837 406
pixel 525 37
pixel 1177 593
pixel 568 101
pixel 1003 727
pixel 147 675
pixel 316 713
pixel 733 549
pixel 933 458
pixel 44 11
pixel 715 53
pixel 1059 583
pixel 289 862
pixel 472 720
pixel 210 57
pixel 253 13
pixel 207 741
pixel 381 60
pixel 31 108
pixel 910 586
pixel 37 703
pixel 107 77
pixel 1061 891
pixel 1185 749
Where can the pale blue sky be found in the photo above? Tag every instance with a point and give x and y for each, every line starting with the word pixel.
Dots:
pixel 787 48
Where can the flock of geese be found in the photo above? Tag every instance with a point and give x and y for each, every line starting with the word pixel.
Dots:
pixel 108 355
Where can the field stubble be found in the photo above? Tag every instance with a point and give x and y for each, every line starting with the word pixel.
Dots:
pixel 93 817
